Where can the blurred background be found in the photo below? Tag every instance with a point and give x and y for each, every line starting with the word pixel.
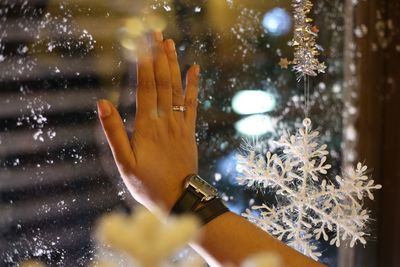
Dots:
pixel 58 57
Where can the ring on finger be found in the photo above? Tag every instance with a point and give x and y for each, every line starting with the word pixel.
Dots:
pixel 179 108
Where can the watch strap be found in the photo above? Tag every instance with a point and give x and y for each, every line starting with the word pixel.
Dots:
pixel 211 210
pixel 187 202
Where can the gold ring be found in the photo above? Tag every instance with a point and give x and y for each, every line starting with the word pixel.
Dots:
pixel 179 108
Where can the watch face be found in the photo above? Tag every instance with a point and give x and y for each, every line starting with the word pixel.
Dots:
pixel 202 187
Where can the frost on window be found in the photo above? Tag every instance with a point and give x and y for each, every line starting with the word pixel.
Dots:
pixel 58 57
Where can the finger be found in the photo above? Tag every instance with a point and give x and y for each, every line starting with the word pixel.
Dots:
pixel 116 136
pixel 192 80
pixel 162 77
pixel 176 80
pixel 146 96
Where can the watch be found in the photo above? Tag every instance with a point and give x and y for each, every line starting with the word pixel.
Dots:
pixel 196 192
pixel 211 210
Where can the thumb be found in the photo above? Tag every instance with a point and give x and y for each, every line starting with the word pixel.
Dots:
pixel 116 136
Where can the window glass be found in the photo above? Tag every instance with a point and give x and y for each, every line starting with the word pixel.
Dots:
pixel 58 57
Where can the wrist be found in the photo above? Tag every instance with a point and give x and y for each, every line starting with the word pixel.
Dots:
pixel 200 199
pixel 167 193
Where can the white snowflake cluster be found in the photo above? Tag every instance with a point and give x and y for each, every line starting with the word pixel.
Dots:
pixel 309 205
pixel 149 241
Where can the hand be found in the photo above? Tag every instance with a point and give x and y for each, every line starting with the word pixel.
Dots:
pixel 162 150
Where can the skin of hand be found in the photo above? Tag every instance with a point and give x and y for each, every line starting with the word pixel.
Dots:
pixel 163 149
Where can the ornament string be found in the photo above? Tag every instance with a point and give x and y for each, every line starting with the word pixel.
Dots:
pixel 306 86
pixel 306 51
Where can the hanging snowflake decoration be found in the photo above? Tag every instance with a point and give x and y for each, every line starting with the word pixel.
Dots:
pixel 309 205
pixel 148 240
pixel 305 61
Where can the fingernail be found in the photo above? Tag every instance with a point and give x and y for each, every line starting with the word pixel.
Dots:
pixel 171 45
pixel 158 36
pixel 103 108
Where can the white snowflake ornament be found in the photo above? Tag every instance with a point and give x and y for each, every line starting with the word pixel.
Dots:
pixel 149 241
pixel 309 205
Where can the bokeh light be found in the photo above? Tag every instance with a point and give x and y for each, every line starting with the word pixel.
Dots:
pixel 255 125
pixel 253 101
pixel 277 21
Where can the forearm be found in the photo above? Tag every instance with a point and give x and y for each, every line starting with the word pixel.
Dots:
pixel 230 238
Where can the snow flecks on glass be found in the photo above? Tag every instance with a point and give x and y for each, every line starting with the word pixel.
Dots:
pixel 64 34
pixel 383 32
pixel 37 40
pixel 33 115
pixel 40 246
pixel 49 31
pixel 217 177
pixel 167 8
pixel 46 30
pixel 360 31
pixel 238 55
pixel 230 3
pixel 247 30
